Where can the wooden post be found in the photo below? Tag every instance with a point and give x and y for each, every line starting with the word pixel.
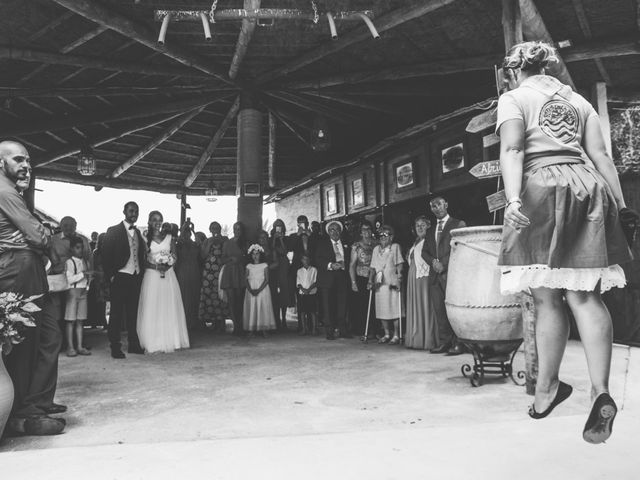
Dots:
pixel 272 150
pixel 599 96
pixel 512 27
pixel 29 194
pixel 183 208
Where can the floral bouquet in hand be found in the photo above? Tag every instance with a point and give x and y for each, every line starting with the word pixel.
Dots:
pixel 16 313
pixel 164 258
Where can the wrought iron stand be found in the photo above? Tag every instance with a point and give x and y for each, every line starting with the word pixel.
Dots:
pixel 491 357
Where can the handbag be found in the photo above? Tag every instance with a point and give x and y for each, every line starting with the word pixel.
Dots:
pixel 58 282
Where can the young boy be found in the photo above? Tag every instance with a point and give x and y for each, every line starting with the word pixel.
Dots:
pixel 76 310
pixel 307 295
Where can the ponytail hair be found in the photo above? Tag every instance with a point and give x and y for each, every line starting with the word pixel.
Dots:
pixel 530 56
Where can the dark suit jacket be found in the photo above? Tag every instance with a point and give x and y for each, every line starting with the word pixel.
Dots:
pixel 442 251
pixel 297 246
pixel 116 252
pixel 324 255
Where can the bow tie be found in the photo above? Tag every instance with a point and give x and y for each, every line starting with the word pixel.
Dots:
pixel 132 227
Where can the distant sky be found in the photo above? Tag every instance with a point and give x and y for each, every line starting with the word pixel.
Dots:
pixel 95 211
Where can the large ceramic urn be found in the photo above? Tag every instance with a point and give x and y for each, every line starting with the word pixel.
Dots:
pixel 6 394
pixel 476 309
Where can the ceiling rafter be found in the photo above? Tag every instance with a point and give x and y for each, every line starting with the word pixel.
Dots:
pixel 313 106
pixel 49 26
pixel 246 32
pixel 44 92
pixel 352 102
pixel 578 7
pixel 383 23
pixel 156 141
pixel 213 143
pixel 534 28
pixel 96 12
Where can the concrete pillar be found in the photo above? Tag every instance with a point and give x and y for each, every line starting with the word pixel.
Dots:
pixel 249 178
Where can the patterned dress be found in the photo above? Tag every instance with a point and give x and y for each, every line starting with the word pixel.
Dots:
pixel 212 308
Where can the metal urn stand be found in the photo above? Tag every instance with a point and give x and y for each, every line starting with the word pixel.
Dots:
pixel 492 357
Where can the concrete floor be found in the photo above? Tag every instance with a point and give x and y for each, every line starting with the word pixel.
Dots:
pixel 303 407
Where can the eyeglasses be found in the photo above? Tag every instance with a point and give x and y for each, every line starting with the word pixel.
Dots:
pixel 384 234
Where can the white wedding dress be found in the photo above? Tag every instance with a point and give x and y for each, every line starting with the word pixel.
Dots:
pixel 162 326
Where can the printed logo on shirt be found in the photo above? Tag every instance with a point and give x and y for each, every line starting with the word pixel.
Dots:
pixel 559 120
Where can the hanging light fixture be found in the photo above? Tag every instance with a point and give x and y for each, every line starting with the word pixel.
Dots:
pixel 320 135
pixel 86 162
pixel 211 192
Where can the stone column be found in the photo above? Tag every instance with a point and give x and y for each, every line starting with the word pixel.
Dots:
pixel 249 178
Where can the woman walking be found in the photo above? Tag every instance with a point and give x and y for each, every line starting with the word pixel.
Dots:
pixel 562 237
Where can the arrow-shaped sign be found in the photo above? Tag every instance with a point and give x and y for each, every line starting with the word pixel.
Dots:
pixel 488 169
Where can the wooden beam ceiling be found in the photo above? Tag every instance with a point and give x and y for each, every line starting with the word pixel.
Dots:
pixel 534 28
pixel 119 91
pixel 578 7
pixel 246 32
pixel 383 23
pixel 110 136
pixel 213 143
pixel 98 13
pixel 110 115
pixel 156 141
pixel 352 102
pixel 39 56
pixel 314 107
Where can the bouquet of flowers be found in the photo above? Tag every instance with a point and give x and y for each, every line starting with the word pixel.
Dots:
pixel 15 314
pixel 164 258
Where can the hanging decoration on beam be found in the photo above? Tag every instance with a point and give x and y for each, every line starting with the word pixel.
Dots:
pixel 320 135
pixel 211 192
pixel 265 17
pixel 86 162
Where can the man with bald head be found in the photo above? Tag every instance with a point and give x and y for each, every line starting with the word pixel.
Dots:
pixel 22 270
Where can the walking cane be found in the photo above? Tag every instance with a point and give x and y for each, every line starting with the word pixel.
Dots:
pixel 365 337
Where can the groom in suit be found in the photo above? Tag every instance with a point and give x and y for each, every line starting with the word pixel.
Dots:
pixel 436 251
pixel 123 255
pixel 332 262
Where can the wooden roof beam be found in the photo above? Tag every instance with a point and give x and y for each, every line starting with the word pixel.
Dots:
pixel 213 143
pixel 45 92
pixel 110 115
pixel 291 127
pixel 246 32
pixel 312 106
pixel 98 13
pixel 534 28
pixel 110 136
pixel 156 141
pixel 383 23
pixel 49 26
pixel 353 102
pixel 39 56
pixel 578 7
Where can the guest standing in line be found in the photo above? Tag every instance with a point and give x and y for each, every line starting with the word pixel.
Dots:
pixel 213 309
pixel 189 274
pixel 361 251
pixel 385 277
pixel 258 311
pixel 562 237
pixel 307 291
pixel 99 289
pixel 33 371
pixel 123 258
pixel 284 295
pixel 421 333
pixel 332 258
pixel 78 279
pixel 162 326
pixel 233 279
pixel 436 251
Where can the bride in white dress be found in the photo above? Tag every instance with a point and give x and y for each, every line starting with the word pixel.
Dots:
pixel 162 326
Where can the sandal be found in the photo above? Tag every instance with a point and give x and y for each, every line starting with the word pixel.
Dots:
pixel 395 340
pixel 83 351
pixel 72 353
pixel 384 339
pixel 564 391
pixel 600 422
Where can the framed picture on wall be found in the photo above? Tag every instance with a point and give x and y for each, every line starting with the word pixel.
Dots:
pixel 404 174
pixel 331 200
pixel 357 192
pixel 251 189
pixel 452 157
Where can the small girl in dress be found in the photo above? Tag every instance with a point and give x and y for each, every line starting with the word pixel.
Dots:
pixel 75 313
pixel 258 309
pixel 307 295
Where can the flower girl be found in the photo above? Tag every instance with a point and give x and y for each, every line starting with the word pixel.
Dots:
pixel 258 310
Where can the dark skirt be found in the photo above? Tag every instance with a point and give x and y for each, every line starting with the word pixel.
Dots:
pixel 573 215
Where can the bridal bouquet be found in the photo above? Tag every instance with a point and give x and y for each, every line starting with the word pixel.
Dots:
pixel 15 314
pixel 164 258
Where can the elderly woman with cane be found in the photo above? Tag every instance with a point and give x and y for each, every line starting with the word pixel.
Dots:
pixel 562 236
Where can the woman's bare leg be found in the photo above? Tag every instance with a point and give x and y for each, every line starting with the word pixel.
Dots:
pixel 596 333
pixel 552 332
